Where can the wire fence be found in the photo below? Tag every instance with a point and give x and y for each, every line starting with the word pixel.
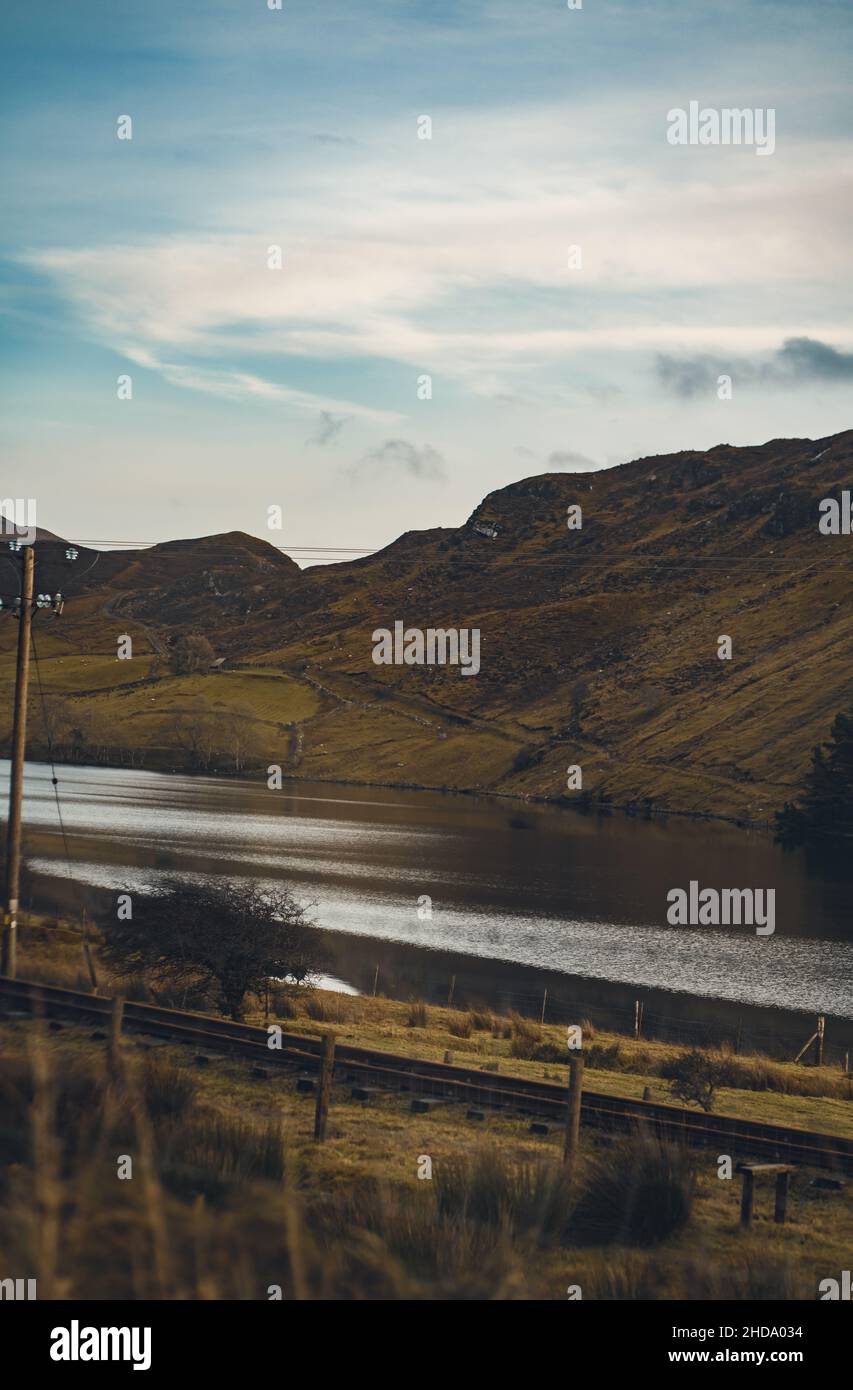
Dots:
pixel 739 1031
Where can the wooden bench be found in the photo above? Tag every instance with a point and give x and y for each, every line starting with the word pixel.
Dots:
pixel 750 1171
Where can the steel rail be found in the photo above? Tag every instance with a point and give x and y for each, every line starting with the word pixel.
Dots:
pixel 478 1087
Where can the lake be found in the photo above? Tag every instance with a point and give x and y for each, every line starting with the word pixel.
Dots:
pixel 523 898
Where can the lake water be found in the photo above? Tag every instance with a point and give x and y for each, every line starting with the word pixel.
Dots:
pixel 551 893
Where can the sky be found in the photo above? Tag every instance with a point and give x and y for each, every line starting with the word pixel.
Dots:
pixel 545 283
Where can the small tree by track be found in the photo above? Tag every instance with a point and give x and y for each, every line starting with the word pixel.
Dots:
pixel 227 938
pixel 694 1077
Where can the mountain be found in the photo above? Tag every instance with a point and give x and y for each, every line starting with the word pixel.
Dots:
pixel 598 645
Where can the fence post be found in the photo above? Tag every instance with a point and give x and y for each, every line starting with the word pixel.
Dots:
pixel 450 992
pixel 375 981
pixel 327 1066
pixel 746 1200
pixel 115 1058
pixel 573 1109
pixel 544 1002
pixel 821 1028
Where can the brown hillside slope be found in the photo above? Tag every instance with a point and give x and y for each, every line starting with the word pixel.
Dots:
pixel 598 645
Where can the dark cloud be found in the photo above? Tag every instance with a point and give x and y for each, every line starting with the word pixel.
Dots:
pixel 400 454
pixel 570 462
pixel 328 429
pixel 797 360
pixel 816 360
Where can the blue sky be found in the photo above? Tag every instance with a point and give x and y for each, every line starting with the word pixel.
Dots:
pixel 404 257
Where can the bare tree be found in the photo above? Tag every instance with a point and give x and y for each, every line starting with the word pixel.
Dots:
pixel 231 938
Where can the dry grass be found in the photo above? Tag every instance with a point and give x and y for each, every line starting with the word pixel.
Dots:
pixel 230 1196
pixel 418 1016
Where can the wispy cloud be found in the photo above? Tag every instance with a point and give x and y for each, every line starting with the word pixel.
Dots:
pixel 399 455
pixel 478 285
pixel 328 429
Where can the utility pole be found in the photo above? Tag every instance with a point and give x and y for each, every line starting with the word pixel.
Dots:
pixel 9 962
pixel 573 1111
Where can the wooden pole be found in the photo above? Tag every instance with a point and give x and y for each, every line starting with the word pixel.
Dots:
pixel 90 966
pixel 375 981
pixel 87 954
pixel 747 1197
pixel 821 1028
pixel 327 1067
pixel 544 1002
pixel 115 1057
pixel 9 959
pixel 451 991
pixel 781 1198
pixel 573 1110
pixel 804 1049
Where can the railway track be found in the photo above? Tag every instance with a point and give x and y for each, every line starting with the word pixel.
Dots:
pixel 421 1077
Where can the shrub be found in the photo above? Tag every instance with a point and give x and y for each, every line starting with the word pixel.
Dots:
pixel 74 1105
pixel 393 1244
pixel 525 1035
pixel 324 1008
pixel 526 1198
pixel 694 1077
pixel 481 1020
pixel 168 1090
pixel 625 1277
pixel 215 1155
pixel 282 1003
pixel 638 1194
pixel 460 1026
pixel 754 1278
pixel 417 1015
pixel 604 1056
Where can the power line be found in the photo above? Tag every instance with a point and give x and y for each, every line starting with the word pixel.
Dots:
pixel 656 562
pixel 195 541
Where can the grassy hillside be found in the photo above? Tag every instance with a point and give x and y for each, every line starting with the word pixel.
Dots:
pixel 598 645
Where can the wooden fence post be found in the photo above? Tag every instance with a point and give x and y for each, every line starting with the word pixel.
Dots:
pixel 747 1198
pixel 573 1109
pixel 87 956
pixel 115 1057
pixel 327 1067
pixel 821 1028
pixel 781 1198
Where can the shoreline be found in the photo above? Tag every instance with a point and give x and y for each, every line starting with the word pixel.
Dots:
pixel 631 810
